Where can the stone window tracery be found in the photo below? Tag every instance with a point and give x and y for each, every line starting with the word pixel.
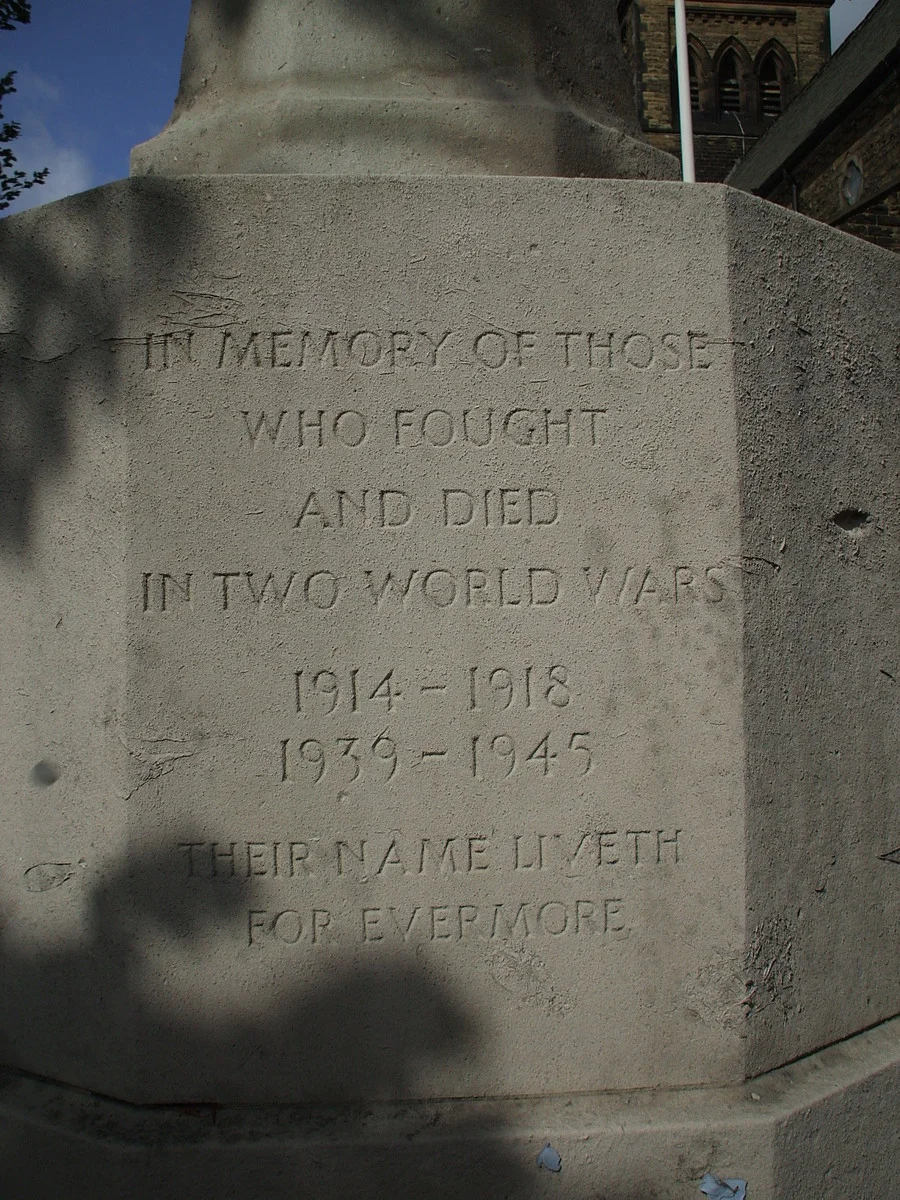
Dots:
pixel 694 82
pixel 769 88
pixel 774 75
pixel 728 79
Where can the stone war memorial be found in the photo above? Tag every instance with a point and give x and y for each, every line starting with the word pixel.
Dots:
pixel 449 581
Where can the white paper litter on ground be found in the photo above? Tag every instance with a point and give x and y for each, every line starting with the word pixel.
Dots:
pixel 723 1189
pixel 549 1158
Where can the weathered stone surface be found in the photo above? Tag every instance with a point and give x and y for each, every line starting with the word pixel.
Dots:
pixel 404 87
pixel 532 733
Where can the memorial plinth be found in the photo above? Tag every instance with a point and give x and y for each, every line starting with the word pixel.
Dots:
pixel 449 690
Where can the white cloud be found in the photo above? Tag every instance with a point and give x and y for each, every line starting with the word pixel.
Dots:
pixel 70 170
pixel 36 147
pixel 35 89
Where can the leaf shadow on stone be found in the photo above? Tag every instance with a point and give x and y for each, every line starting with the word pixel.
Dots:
pixel 102 1012
pixel 69 271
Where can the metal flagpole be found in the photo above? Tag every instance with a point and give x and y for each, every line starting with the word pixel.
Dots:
pixel 685 116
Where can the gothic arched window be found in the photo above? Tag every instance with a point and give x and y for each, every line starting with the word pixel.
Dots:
pixel 774 77
pixel 700 77
pixel 694 75
pixel 728 80
pixel 769 88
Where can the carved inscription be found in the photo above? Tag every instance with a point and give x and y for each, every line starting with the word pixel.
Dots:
pixel 505 920
pixel 519 427
pixel 632 587
pixel 635 585
pixel 524 426
pixel 349 759
pixel 502 920
pixel 451 508
pixel 365 349
pixel 345 693
pixel 367 859
pixel 315 861
pixel 389 350
pixel 451 499
pixel 305 428
pixel 323 691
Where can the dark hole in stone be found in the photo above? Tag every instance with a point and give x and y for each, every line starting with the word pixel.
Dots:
pixel 851 520
pixel 44 773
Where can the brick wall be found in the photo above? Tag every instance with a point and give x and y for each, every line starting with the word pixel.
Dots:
pixel 648 30
pixel 870 137
pixel 878 222
pixel 714 154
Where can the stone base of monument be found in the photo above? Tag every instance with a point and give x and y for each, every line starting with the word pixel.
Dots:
pixel 358 136
pixel 824 1128
pixel 449 663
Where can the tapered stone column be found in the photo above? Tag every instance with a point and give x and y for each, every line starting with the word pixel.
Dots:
pixel 409 87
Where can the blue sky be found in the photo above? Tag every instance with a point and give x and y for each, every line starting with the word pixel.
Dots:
pixel 94 77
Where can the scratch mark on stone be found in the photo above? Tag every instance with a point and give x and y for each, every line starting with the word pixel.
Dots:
pixel 153 767
pixel 204 310
pixel 44 876
pixel 746 562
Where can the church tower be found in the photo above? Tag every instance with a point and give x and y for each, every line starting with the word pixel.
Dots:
pixel 748 59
